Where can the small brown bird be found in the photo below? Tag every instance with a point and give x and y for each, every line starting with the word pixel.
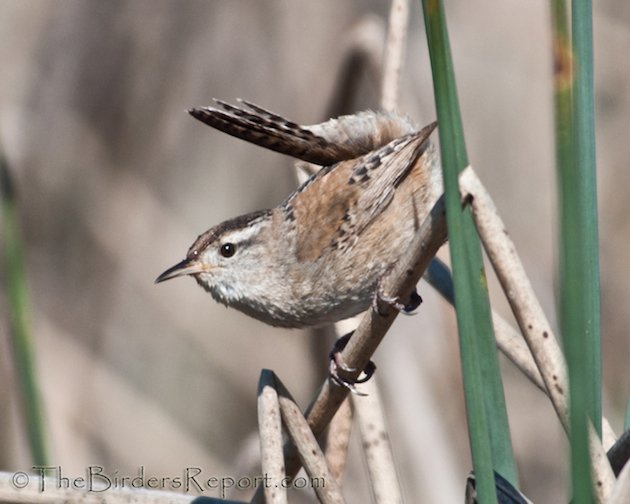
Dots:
pixel 318 257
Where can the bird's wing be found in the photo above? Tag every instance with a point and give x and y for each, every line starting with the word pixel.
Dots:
pixel 340 201
pixel 379 173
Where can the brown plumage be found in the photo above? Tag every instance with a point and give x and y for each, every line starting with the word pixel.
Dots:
pixel 319 255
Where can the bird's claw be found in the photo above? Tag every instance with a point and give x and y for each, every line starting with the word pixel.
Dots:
pixel 394 301
pixel 337 362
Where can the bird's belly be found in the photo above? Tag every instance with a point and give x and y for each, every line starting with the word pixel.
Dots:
pixel 309 305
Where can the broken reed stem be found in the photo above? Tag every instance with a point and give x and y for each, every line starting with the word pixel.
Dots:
pixel 270 429
pixel 308 449
pixel 518 290
pixel 529 315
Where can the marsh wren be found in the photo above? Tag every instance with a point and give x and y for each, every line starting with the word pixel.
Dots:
pixel 319 255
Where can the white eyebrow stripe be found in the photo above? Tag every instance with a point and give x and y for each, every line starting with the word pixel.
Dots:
pixel 240 235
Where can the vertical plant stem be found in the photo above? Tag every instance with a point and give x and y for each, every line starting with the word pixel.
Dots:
pixel 485 404
pixel 579 261
pixel 18 318
pixel 584 155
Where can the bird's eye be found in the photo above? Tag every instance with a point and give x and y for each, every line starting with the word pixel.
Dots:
pixel 228 249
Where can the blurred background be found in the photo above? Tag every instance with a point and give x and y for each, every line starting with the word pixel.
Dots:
pixel 114 181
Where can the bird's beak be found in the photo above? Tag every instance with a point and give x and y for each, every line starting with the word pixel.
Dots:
pixel 186 267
